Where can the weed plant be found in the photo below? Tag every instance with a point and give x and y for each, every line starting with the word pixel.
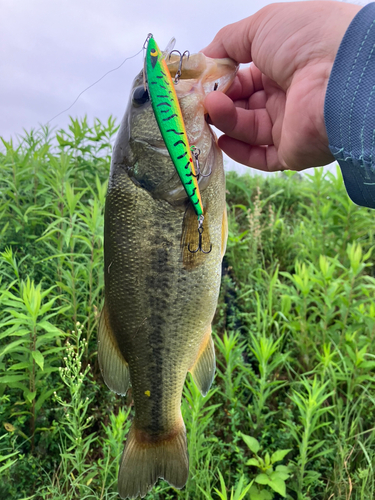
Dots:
pixel 291 412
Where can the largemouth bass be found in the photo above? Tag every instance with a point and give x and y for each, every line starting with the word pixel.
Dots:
pixel 160 298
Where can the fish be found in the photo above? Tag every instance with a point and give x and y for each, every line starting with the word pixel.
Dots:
pixel 160 297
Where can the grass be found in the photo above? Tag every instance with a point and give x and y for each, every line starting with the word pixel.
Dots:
pixel 291 412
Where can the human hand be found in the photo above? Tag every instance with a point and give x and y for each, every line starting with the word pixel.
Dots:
pixel 273 115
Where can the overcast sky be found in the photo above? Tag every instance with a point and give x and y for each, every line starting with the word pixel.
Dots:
pixel 53 49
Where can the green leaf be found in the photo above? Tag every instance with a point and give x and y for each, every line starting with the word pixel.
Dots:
pixel 256 494
pixel 284 468
pixel 251 442
pixel 9 379
pixel 262 479
pixel 7 465
pixel 49 327
pixel 15 331
pixel 253 461
pixel 21 387
pixel 45 395
pixel 11 347
pixel 6 457
pixel 278 485
pixel 280 475
pixel 279 455
pixel 29 395
pixel 367 365
pixel 20 366
pixel 38 357
pixel 240 492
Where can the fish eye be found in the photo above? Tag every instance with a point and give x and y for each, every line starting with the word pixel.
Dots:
pixel 140 96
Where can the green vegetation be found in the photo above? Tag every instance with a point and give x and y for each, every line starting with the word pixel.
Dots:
pixel 292 409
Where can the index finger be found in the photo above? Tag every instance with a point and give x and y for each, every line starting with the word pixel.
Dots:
pixel 247 81
pixel 232 41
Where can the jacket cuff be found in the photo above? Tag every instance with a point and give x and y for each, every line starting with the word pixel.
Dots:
pixel 349 108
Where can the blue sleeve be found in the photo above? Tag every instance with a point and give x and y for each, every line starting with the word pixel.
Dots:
pixel 349 109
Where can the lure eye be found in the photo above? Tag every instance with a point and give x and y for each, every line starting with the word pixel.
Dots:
pixel 140 96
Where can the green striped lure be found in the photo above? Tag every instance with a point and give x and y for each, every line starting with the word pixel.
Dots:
pixel 168 115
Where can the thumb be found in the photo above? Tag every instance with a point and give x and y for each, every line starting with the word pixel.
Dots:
pixel 233 41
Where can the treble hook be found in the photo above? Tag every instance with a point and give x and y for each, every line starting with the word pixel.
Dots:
pixel 178 74
pixel 200 231
pixel 196 152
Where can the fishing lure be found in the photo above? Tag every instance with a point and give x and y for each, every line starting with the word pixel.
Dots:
pixel 168 115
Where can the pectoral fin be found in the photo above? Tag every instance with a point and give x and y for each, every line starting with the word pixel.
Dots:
pixel 203 370
pixel 114 368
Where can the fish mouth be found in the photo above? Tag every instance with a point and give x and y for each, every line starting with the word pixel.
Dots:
pixel 200 75
pixel 204 72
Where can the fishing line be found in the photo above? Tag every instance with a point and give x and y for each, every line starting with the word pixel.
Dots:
pixel 97 81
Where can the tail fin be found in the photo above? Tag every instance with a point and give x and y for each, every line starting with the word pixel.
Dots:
pixel 144 461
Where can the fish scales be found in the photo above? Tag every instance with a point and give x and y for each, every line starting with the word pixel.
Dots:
pixel 166 285
pixel 160 299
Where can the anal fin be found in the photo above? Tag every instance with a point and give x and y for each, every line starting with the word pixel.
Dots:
pixel 203 370
pixel 114 368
